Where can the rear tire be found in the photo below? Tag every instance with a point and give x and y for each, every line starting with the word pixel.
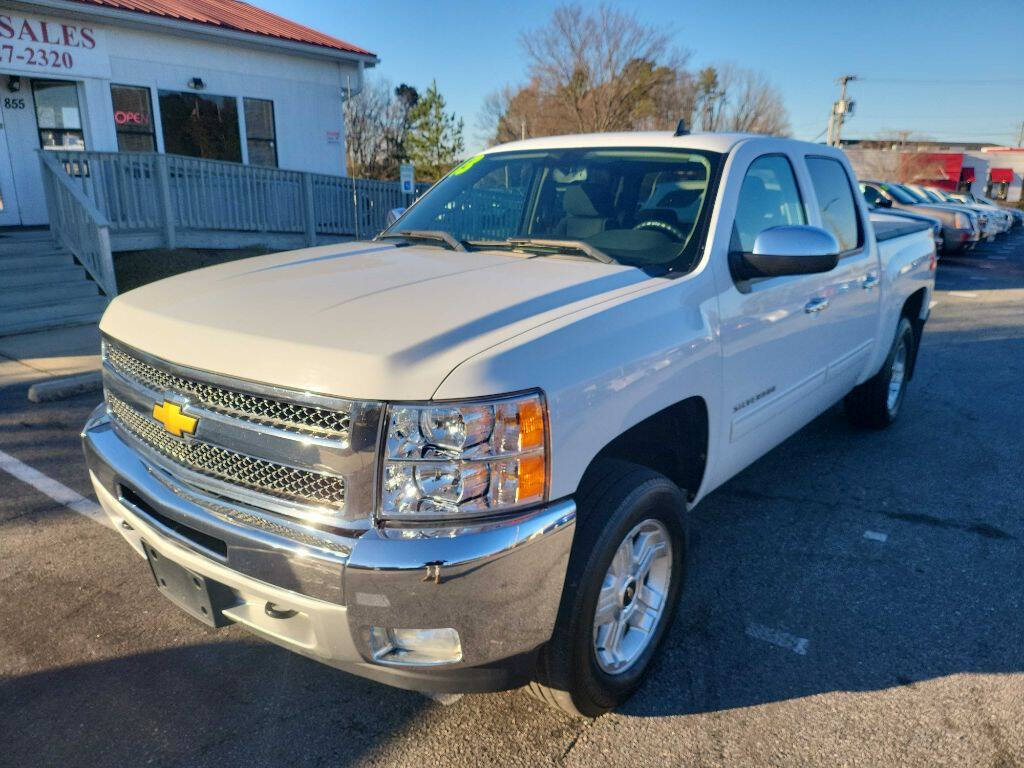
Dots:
pixel 628 516
pixel 876 403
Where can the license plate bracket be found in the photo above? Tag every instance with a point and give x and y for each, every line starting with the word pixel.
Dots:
pixel 198 596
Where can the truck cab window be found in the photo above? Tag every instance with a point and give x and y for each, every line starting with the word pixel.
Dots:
pixel 835 201
pixel 769 197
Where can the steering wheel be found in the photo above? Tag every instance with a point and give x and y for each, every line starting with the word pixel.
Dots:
pixel 662 226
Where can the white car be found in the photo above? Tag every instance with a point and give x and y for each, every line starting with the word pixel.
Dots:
pixel 461 456
pixel 1001 218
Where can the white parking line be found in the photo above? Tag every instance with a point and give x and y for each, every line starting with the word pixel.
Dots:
pixel 933 305
pixel 778 637
pixel 963 294
pixel 50 487
pixel 876 536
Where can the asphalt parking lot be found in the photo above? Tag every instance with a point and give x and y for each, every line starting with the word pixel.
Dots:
pixel 854 598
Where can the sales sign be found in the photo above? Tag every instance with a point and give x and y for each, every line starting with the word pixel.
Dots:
pixel 38 45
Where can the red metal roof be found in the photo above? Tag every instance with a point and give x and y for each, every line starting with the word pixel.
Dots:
pixel 234 15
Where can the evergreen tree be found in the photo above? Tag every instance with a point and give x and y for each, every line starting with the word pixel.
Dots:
pixel 434 140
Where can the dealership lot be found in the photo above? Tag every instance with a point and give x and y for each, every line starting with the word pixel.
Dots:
pixel 853 597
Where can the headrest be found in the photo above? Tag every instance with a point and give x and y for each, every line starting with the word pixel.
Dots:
pixel 691 172
pixel 680 198
pixel 753 185
pixel 586 203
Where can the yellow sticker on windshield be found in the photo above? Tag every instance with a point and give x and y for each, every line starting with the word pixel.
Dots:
pixel 468 164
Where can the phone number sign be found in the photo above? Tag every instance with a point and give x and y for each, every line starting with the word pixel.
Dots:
pixel 40 45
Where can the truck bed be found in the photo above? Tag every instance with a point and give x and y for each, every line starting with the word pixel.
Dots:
pixel 888 227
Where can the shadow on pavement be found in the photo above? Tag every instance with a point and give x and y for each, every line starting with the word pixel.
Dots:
pixel 989 266
pixel 232 703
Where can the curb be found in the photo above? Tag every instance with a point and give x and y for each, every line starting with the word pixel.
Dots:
pixel 66 386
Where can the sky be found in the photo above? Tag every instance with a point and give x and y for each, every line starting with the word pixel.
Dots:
pixel 945 69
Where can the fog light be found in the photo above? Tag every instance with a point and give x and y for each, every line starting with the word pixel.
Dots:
pixel 415 646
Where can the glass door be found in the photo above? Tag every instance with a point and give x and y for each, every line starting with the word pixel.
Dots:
pixel 9 213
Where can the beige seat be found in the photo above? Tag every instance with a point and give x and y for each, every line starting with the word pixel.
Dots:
pixel 584 216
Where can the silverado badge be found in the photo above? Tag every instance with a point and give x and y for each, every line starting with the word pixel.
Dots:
pixel 174 421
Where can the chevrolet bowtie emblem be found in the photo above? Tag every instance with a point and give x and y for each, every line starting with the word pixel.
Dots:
pixel 174 421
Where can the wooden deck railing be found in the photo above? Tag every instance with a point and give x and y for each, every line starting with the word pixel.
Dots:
pixel 171 196
pixel 77 223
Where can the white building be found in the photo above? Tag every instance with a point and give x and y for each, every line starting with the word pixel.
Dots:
pixel 222 80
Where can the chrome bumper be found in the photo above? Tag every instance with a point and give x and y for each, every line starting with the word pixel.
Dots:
pixel 497 584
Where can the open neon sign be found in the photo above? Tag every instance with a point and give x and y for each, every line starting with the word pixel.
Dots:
pixel 124 117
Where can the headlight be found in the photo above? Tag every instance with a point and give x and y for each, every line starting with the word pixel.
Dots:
pixel 448 460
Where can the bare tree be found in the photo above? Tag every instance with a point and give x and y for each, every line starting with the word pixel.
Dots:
pixel 709 99
pixel 732 98
pixel 753 104
pixel 604 70
pixel 376 126
pixel 600 70
pixel 365 119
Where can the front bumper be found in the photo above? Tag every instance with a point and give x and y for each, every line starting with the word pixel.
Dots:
pixel 498 584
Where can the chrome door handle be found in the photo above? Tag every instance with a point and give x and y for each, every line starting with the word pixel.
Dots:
pixel 816 304
pixel 870 281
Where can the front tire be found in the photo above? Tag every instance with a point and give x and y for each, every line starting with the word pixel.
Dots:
pixel 625 576
pixel 876 403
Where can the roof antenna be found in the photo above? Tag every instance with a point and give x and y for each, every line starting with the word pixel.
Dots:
pixel 681 129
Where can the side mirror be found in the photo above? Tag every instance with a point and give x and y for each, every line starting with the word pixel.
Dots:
pixel 394 215
pixel 884 202
pixel 787 250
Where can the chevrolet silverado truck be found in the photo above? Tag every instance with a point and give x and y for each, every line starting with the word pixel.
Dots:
pixel 460 457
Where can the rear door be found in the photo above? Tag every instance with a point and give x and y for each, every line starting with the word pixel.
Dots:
pixel 853 293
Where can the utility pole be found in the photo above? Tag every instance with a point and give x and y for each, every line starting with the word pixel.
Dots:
pixel 840 109
pixel 1020 135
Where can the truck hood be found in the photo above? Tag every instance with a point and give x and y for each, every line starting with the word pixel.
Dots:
pixel 369 320
pixel 941 211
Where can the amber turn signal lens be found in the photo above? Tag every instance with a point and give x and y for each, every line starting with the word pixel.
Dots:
pixel 531 425
pixel 532 478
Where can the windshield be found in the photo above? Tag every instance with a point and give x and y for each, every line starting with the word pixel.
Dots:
pixel 901 195
pixel 927 194
pixel 642 207
pixel 941 195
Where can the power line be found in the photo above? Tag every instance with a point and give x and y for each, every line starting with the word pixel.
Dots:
pixel 915 81
pixel 917 116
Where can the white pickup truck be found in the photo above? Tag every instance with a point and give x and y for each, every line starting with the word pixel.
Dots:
pixel 460 457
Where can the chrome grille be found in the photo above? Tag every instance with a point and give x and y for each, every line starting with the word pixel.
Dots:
pixel 306 419
pixel 256 474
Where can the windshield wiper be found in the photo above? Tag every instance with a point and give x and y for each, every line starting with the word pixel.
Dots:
pixel 438 235
pixel 562 245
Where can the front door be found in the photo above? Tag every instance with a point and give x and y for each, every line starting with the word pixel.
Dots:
pixel 775 350
pixel 9 213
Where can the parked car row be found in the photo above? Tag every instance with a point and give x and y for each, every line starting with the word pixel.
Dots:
pixel 960 220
